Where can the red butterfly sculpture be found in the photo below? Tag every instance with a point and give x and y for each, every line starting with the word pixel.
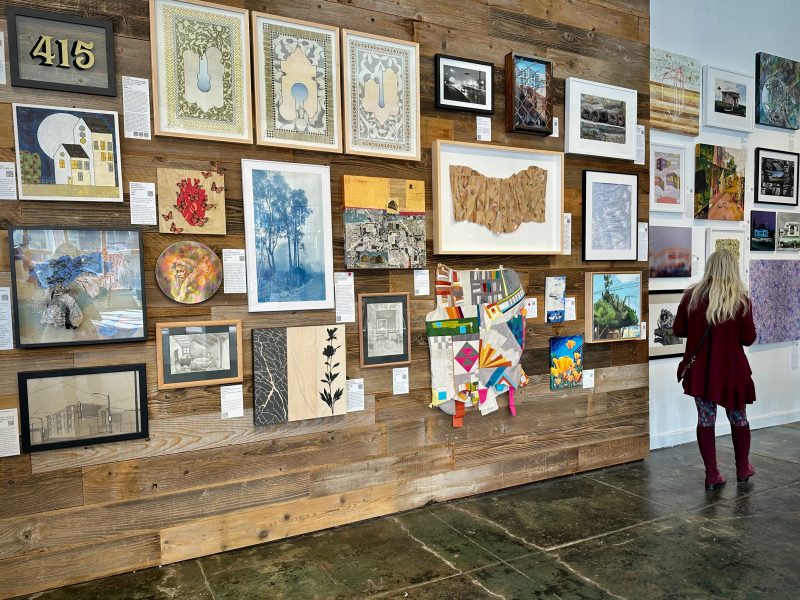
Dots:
pixel 173 229
pixel 167 216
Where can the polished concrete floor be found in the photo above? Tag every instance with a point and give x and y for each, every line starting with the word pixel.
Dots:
pixel 646 530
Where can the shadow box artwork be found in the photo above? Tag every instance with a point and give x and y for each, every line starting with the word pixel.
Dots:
pixel 201 70
pixel 566 362
pixel 609 216
pixel 613 307
pixel 600 119
pixel 719 183
pixel 763 230
pixel 776 177
pixel 383 323
pixel 728 99
pixel 195 353
pixel 670 251
pixel 674 92
pixel 67 154
pixel 70 408
pixel 777 91
pixel 732 240
pixel 667 178
pixel 191 201
pixel 287 216
pixel 788 232
pixel 55 51
pixel 77 286
pixel 296 70
pixel 529 95
pixel 491 199
pixel 464 84
pixel 381 96
pixel 662 343
pixel 188 272
pixel 299 373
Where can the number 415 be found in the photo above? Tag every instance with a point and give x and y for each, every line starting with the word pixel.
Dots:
pixel 81 51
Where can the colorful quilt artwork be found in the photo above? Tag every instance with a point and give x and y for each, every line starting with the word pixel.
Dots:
pixel 476 336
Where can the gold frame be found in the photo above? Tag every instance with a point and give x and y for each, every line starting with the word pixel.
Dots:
pixel 588 303
pixel 361 326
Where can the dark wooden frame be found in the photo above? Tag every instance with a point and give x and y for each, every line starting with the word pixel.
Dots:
pixel 14 297
pixel 437 71
pixel 12 12
pixel 23 377
pixel 756 192
pixel 653 322
pixel 511 95
pixel 385 361
pixel 587 217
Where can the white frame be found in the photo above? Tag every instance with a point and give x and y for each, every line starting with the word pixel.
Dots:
pixel 590 177
pixel 89 112
pixel 451 237
pixel 572 112
pixel 680 207
pixel 715 233
pixel 710 117
pixel 776 200
pixel 253 304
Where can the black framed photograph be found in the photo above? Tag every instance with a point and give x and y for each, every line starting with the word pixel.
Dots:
pixel 662 343
pixel 383 324
pixel 529 94
pixel 610 212
pixel 56 51
pixel 73 286
pixel 66 408
pixel 195 353
pixel 464 84
pixel 776 177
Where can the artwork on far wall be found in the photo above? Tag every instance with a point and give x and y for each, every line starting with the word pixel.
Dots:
pixel 719 183
pixel 381 96
pixel 75 286
pixel 384 223
pixel 383 323
pixel 600 119
pixel 299 373
pixel 67 154
pixel 613 306
pixel 296 71
pixel 773 294
pixel 670 251
pixel 188 272
pixel 728 99
pixel 662 342
pixel 566 362
pixel 788 231
pixel 777 91
pixel 732 240
pixel 496 199
pixel 609 216
pixel 667 178
pixel 763 228
pixel 201 70
pixel 191 201
pixel 287 216
pixel 464 84
pixel 674 92
pixel 529 94
pixel 555 300
pixel 776 177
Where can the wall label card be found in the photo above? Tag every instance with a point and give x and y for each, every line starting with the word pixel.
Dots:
pixel 483 126
pixel 234 271
pixel 400 380
pixel 344 292
pixel 8 181
pixel 355 394
pixel 143 203
pixel 588 379
pixel 232 401
pixel 136 107
pixel 531 308
pixel 9 435
pixel 643 247
pixel 422 282
pixel 6 322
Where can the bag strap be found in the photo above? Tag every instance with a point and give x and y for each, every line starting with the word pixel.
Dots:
pixel 699 345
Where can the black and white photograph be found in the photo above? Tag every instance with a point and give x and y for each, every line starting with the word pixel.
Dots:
pixel 383 322
pixel 663 307
pixel 464 84
pixel 79 407
pixel 776 177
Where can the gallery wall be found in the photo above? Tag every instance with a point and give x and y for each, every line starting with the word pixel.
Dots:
pixel 727 35
pixel 200 484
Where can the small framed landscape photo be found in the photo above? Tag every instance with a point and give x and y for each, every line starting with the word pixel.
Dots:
pixel 70 408
pixel 384 337
pixel 728 99
pixel 464 84
pixel 195 353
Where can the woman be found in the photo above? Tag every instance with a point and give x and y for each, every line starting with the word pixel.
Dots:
pixel 716 319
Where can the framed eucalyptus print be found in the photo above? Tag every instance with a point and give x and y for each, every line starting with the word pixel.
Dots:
pixel 201 70
pixel 298 101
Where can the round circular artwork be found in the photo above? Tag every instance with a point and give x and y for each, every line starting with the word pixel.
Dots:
pixel 188 272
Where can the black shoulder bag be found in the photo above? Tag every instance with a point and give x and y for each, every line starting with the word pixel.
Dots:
pixel 688 366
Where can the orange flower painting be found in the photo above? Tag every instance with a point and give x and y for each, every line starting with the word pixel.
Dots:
pixel 566 362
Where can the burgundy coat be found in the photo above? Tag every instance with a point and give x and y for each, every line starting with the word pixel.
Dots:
pixel 720 372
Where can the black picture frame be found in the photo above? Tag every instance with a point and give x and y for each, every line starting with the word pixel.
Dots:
pixel 485 108
pixel 105 32
pixel 72 416
pixel 675 295
pixel 384 360
pixel 16 255
pixel 587 204
pixel 515 103
pixel 760 198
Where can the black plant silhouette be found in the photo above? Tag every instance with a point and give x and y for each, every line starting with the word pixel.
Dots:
pixel 329 396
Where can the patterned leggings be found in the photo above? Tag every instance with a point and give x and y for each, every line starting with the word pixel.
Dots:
pixel 707 414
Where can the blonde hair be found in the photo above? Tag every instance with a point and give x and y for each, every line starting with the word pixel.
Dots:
pixel 722 286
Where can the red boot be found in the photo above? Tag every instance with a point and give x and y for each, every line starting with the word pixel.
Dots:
pixel 708 450
pixel 741 449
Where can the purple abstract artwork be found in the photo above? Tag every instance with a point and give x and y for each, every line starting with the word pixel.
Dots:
pixel 774 289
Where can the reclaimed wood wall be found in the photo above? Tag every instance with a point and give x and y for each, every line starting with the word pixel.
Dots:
pixel 201 485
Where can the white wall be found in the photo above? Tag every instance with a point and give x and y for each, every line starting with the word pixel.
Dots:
pixel 726 34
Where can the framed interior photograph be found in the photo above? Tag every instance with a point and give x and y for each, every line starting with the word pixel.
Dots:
pixel 464 84
pixel 776 177
pixel 600 119
pixel 662 343
pixel 610 216
pixel 613 306
pixel 296 71
pixel 195 353
pixel 287 216
pixel 201 70
pixel 70 408
pixel 763 230
pixel 57 51
pixel 383 324
pixel 529 94
pixel 667 178
pixel 733 240
pixel 491 199
pixel 73 286
pixel 728 99
pixel 381 96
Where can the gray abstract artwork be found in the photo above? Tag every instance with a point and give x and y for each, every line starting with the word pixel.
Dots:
pixel 611 216
pixel 270 374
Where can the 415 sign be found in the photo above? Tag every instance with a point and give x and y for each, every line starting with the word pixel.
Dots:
pixel 55 51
